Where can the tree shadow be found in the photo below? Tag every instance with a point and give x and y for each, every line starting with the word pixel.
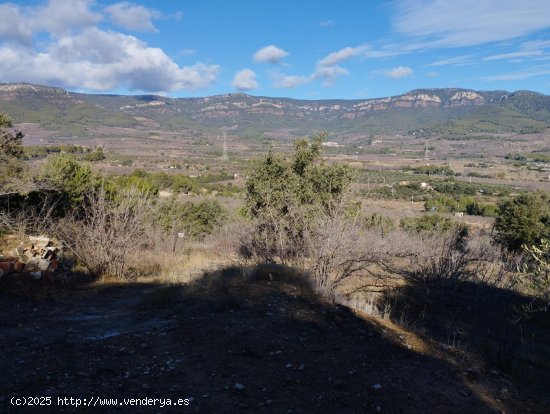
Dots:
pixel 232 341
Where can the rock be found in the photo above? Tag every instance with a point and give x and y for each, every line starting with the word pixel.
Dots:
pixel 238 386
pixel 377 386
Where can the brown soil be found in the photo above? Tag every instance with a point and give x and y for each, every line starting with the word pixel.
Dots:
pixel 290 352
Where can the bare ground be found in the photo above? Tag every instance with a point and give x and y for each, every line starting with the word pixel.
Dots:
pixel 290 352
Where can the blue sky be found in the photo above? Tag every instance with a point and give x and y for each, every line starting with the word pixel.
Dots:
pixel 301 48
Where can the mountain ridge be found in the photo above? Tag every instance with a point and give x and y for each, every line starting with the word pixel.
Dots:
pixel 455 110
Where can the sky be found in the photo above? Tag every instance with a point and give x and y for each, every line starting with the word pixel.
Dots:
pixel 306 49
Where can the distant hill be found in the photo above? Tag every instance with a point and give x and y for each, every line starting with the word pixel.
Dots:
pixel 448 111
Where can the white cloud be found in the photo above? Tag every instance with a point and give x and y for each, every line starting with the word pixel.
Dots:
pixel 398 72
pixel 341 55
pixel 326 69
pixel 326 23
pixel 245 80
pixel 61 16
pixel 77 54
pixel 457 60
pixel 531 49
pixel 133 17
pixel 432 74
pixel 329 74
pixel 524 74
pixel 102 61
pixel 13 27
pixel 57 17
pixel 281 81
pixel 470 22
pixel 270 54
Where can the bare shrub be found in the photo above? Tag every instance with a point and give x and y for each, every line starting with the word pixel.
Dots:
pixel 29 219
pixel 339 247
pixel 106 233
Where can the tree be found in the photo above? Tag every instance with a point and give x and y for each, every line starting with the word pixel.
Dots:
pixel 66 175
pixel 11 153
pixel 280 185
pixel 11 142
pixel 523 220
pixel 305 216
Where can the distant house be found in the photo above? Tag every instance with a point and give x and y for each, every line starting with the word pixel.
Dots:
pixel 460 214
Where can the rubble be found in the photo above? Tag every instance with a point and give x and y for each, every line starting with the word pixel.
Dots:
pixel 36 256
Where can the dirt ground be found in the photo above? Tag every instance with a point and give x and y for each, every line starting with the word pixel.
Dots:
pixel 250 346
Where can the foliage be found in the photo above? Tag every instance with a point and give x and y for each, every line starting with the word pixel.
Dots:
pixel 538 274
pixel 428 224
pixel 376 221
pixel 445 204
pixel 524 219
pixel 11 150
pixel 96 155
pixel 434 170
pixel 302 213
pixel 196 220
pixel 11 143
pixel 66 175
pixel 478 209
pixel 42 151
pixel 278 185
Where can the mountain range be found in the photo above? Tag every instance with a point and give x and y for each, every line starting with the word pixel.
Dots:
pixel 449 111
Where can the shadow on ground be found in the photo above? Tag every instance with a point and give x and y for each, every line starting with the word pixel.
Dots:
pixel 231 343
pixel 485 329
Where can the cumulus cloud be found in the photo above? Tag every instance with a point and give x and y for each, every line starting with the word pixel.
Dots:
pixel 13 26
pixel 341 55
pixel 329 74
pixel 101 61
pixel 57 17
pixel 398 72
pixel 326 69
pixel 133 17
pixel 270 54
pixel 80 55
pixel 470 22
pixel 245 80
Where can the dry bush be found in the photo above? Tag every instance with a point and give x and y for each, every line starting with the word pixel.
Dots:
pixel 107 234
pixel 328 247
pixel 455 258
pixel 338 247
pixel 29 219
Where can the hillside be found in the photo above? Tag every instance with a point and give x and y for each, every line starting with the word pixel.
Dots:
pixel 445 111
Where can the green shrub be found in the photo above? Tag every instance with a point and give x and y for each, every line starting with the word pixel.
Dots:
pixel 429 224
pixel 66 175
pixel 377 221
pixel 196 220
pixel 523 220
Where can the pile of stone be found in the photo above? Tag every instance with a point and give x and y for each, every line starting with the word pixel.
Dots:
pixel 38 256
